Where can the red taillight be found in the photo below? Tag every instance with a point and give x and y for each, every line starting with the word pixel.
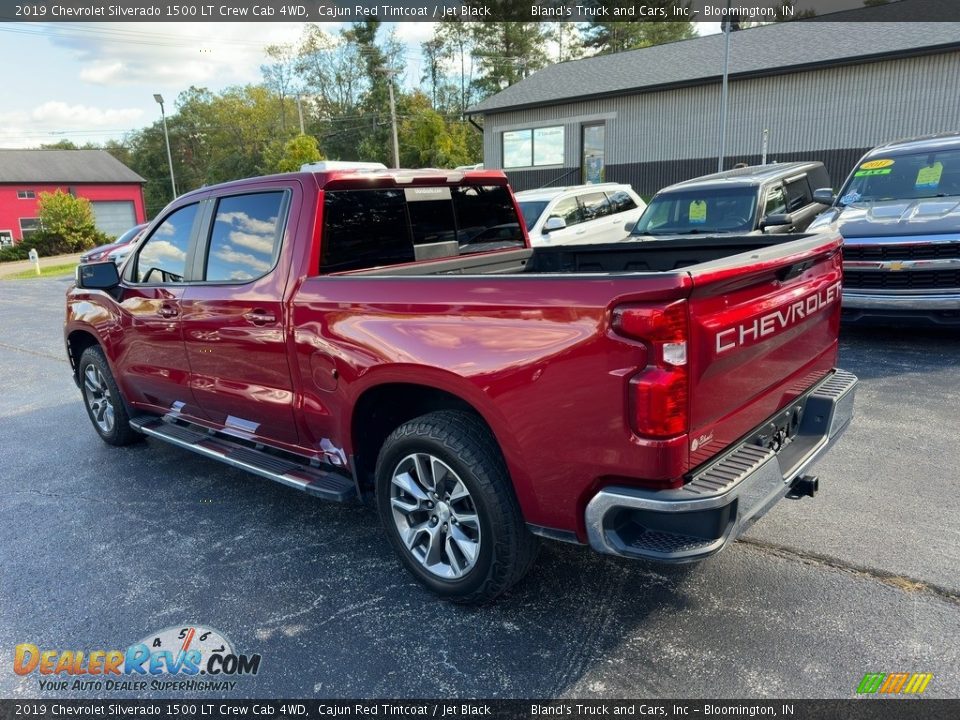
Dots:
pixel 658 394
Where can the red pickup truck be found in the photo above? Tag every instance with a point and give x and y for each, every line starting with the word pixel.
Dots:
pixel 392 334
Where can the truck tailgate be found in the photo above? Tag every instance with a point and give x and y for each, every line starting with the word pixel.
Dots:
pixel 763 329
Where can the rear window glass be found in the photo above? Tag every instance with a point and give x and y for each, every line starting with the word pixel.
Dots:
pixel 375 228
pixel 621 201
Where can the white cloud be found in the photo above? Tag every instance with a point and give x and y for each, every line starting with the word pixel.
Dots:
pixel 172 54
pixel 57 113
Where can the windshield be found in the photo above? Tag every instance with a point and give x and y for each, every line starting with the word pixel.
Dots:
pixel 709 210
pixel 532 210
pixel 904 177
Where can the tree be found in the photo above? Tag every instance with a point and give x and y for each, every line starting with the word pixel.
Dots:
pixel 612 36
pixel 296 152
pixel 507 52
pixel 567 38
pixel 457 41
pixel 68 221
pixel 427 140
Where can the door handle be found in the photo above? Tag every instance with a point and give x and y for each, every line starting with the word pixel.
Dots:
pixel 260 317
pixel 168 311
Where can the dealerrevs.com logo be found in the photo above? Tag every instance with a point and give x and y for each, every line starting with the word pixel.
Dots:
pixel 190 658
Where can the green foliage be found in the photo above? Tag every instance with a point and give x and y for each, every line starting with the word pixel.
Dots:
pixel 507 52
pixel 611 36
pixel 302 149
pixel 67 222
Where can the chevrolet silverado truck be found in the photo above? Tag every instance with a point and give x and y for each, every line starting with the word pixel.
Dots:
pixel 899 215
pixel 391 335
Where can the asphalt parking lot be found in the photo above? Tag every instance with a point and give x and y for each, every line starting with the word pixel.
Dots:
pixel 100 547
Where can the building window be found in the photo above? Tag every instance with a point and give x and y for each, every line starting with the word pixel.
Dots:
pixel 535 147
pixel 6 238
pixel 28 226
pixel 26 195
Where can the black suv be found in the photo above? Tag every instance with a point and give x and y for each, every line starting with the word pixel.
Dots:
pixel 775 198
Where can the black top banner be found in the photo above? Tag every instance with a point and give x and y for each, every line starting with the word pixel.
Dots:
pixel 482 10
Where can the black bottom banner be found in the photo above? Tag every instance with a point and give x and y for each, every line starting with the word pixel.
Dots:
pixel 865 709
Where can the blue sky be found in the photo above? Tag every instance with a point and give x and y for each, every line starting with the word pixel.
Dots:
pixel 95 81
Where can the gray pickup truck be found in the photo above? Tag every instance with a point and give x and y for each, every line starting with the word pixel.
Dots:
pixel 899 214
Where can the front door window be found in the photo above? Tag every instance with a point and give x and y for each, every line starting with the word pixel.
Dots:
pixel 593 161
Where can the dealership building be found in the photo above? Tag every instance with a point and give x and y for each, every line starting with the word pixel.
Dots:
pixel 806 90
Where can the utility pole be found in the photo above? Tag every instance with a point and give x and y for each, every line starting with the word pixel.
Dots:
pixel 300 113
pixel 393 122
pixel 173 183
pixel 727 26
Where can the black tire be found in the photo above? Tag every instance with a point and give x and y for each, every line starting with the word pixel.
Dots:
pixel 463 443
pixel 119 433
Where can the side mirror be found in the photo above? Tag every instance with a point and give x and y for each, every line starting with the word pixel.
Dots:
pixel 778 219
pixel 554 222
pixel 824 196
pixel 98 276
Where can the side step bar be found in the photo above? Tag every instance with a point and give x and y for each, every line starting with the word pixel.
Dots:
pixel 314 481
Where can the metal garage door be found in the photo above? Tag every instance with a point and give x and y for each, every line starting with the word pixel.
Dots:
pixel 114 217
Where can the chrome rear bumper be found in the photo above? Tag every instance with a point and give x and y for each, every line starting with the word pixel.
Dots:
pixel 724 497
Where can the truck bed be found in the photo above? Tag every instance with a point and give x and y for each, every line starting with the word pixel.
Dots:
pixel 621 257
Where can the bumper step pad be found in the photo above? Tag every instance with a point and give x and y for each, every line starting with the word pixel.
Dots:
pixel 301 476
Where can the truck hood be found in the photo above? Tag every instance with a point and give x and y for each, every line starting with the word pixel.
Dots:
pixel 891 218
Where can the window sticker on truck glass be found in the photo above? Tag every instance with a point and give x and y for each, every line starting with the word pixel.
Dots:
pixel 928 177
pixel 876 164
pixel 698 212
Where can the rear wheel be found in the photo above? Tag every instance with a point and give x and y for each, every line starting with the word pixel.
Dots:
pixel 101 396
pixel 446 501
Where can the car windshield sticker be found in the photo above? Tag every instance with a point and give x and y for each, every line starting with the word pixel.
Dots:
pixel 870 173
pixel 929 177
pixel 876 164
pixel 849 198
pixel 698 212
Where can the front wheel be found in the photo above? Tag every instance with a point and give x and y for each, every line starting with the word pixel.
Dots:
pixel 447 503
pixel 101 396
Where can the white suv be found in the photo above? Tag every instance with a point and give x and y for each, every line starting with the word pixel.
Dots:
pixel 580 214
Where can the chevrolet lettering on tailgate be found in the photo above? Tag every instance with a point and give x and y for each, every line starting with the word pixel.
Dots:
pixel 781 319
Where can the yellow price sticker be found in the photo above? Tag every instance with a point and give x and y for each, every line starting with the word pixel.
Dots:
pixel 698 212
pixel 929 176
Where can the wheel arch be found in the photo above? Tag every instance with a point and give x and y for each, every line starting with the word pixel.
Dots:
pixel 382 408
pixel 78 341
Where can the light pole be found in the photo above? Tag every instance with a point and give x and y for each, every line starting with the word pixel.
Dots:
pixel 173 183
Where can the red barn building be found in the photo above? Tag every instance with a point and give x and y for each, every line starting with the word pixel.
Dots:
pixel 114 190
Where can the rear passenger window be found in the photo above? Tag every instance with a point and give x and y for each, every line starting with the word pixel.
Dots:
pixel 594 205
pixel 245 238
pixel 376 228
pixel 620 201
pixel 798 193
pixel 163 257
pixel 365 229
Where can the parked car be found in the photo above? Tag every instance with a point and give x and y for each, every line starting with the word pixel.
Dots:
pixel 899 214
pixel 102 252
pixel 356 333
pixel 760 199
pixel 579 214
